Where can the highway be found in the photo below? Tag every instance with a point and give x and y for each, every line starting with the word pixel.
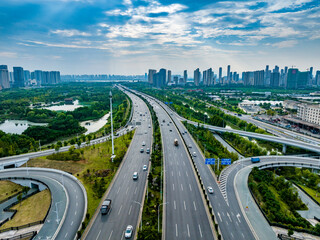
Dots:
pixel 125 193
pixel 227 210
pixel 185 215
pixel 69 199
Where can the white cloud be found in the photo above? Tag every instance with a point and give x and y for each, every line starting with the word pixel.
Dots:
pixel 70 33
pixel 8 54
pixel 285 44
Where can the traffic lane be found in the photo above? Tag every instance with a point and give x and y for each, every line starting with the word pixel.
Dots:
pixel 124 190
pixel 179 191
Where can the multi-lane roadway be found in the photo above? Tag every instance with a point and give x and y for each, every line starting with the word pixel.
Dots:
pixel 127 195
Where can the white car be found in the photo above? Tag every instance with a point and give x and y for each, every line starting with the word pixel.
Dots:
pixel 135 176
pixel 144 168
pixel 190 146
pixel 210 190
pixel 194 154
pixel 143 143
pixel 128 232
pixel 141 150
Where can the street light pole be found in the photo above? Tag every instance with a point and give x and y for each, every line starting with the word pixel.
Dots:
pixel 112 156
pixel 141 212
pixel 159 215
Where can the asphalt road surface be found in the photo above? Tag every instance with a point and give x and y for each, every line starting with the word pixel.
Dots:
pixel 125 193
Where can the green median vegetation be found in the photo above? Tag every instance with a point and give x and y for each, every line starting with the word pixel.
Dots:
pixel 279 201
pixel 209 144
pixel 154 196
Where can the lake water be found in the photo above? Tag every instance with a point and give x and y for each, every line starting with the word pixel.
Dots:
pixel 17 126
pixel 95 125
pixel 65 107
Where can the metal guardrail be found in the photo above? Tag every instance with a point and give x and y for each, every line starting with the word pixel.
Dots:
pixel 29 235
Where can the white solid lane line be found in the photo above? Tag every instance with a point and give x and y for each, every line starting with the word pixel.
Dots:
pixel 188 230
pixel 184 203
pixel 176 230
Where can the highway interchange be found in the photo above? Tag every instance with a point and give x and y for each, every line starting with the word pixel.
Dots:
pixel 185 213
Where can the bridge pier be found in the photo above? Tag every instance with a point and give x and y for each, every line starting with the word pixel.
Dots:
pixel 284 148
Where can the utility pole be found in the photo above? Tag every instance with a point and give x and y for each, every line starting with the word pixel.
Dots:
pixel 112 156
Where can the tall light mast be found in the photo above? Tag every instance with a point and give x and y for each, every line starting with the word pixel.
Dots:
pixel 112 156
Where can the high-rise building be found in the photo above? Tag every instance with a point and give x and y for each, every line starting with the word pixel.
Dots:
pixel 18 76
pixel 258 78
pixel 303 78
pixel 196 77
pixel 228 73
pixel 275 79
pixel 210 77
pixel 169 77
pixel 4 77
pixel 248 78
pixel 162 77
pixel 317 78
pixel 45 78
pixel 204 77
pixel 27 76
pixel 151 75
pixel 292 78
pixel 37 75
pixel 220 75
pixel 175 79
pixel 185 76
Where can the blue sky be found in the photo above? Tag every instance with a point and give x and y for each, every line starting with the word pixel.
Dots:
pixel 131 36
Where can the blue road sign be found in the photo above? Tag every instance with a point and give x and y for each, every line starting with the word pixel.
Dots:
pixel 210 160
pixel 166 102
pixel 170 102
pixel 225 161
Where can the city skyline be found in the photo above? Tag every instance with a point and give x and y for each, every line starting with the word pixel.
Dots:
pixel 130 37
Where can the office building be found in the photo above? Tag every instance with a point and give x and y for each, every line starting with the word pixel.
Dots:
pixel 151 74
pixel 196 77
pixel 169 77
pixel 4 77
pixel 162 78
pixel 185 76
pixel 248 78
pixel 18 76
pixel 27 76
pixel 210 77
pixel 228 73
pixel 37 75
pixel 175 80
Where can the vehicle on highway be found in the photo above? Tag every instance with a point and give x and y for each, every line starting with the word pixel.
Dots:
pixel 145 132
pixel 170 130
pixel 141 150
pixel 148 150
pixel 185 131
pixel 143 143
pixel 144 168
pixel 210 190
pixel 163 120
pixel 176 143
pixel 106 206
pixel 149 126
pixel 128 232
pixel 194 154
pixel 168 124
pixel 189 146
pixel 135 176
pixel 255 160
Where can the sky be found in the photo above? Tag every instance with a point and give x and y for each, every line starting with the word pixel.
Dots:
pixel 131 36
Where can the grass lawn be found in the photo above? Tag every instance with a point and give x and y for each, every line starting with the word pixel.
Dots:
pixel 311 193
pixel 30 210
pixel 8 189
